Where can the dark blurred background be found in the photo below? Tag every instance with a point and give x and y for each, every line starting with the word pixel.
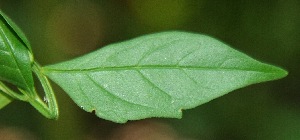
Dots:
pixel 266 30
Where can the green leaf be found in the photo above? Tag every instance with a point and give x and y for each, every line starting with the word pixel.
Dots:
pixel 15 56
pixel 16 30
pixel 16 66
pixel 4 99
pixel 157 75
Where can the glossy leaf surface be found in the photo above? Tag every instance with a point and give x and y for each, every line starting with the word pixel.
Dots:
pixel 157 75
pixel 15 61
pixel 15 30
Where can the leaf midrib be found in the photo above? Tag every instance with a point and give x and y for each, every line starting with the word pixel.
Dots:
pixel 6 41
pixel 170 67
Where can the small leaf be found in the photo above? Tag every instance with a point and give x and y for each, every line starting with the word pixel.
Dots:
pixel 157 75
pixel 4 100
pixel 15 61
pixel 16 30
pixel 16 66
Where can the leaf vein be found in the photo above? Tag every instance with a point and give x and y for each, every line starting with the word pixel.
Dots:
pixel 82 93
pixel 196 82
pixel 157 48
pixel 153 84
pixel 187 55
pixel 50 70
pixel 111 94
pixel 4 52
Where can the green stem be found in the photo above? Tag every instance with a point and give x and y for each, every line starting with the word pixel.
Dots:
pixel 11 93
pixel 50 111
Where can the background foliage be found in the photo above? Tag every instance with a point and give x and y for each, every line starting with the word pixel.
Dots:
pixel 266 30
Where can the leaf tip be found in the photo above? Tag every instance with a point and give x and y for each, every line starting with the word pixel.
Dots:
pixel 280 73
pixel 284 73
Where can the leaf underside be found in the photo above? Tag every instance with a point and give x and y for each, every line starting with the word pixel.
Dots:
pixel 157 75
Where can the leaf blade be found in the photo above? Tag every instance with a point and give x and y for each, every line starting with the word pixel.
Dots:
pixel 157 75
pixel 15 61
pixel 16 30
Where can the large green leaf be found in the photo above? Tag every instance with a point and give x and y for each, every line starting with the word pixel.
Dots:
pixel 15 61
pixel 157 75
